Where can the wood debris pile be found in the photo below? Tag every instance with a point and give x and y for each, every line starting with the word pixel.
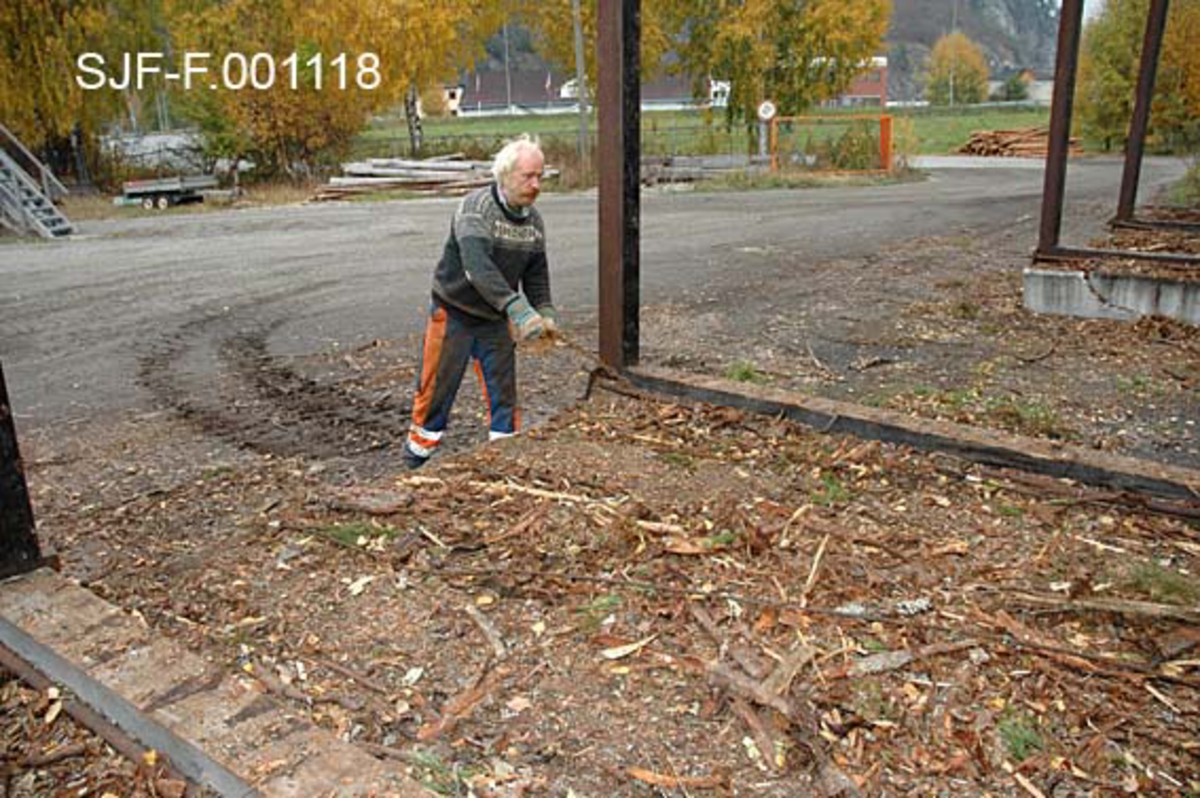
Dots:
pixel 45 752
pixel 645 594
pixel 1025 143
pixel 443 175
pixel 658 169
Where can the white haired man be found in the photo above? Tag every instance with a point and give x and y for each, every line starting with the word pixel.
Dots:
pixel 491 286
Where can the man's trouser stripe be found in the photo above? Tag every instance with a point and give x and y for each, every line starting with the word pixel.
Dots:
pixel 431 357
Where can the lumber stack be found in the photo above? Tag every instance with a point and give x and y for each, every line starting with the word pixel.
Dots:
pixel 447 175
pixel 1030 142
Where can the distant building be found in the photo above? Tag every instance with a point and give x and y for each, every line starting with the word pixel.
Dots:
pixel 551 91
pixel 1038 86
pixel 531 91
pixel 453 96
pixel 868 89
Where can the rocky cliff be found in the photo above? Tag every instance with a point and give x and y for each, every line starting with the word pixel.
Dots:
pixel 1014 34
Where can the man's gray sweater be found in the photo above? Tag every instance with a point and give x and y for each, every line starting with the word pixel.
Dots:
pixel 492 252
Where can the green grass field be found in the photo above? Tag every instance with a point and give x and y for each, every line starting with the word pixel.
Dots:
pixel 933 131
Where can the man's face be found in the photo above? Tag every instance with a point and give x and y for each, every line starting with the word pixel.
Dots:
pixel 524 182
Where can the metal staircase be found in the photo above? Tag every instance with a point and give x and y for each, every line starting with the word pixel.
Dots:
pixel 27 205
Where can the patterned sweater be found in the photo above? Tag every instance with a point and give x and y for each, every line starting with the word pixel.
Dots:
pixel 491 252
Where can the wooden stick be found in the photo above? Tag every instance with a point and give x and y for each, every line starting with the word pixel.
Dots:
pixel 745 658
pixel 712 782
pixel 812 573
pixel 353 675
pixel 57 755
pixel 763 737
pixel 462 705
pixel 741 685
pixel 1145 609
pixel 489 631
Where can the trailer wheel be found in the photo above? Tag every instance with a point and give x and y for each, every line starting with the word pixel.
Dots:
pixel 163 202
pixel 148 203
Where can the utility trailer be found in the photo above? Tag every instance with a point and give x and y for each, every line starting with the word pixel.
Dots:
pixel 168 191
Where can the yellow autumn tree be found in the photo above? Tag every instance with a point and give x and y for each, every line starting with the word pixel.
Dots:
pixel 40 99
pixel 1108 72
pixel 795 53
pixel 390 47
pixel 552 25
pixel 958 72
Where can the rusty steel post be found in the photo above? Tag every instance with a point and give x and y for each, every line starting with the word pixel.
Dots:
pixel 620 177
pixel 1135 145
pixel 18 543
pixel 1066 66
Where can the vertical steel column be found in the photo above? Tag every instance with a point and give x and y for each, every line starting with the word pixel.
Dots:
pixel 619 166
pixel 18 544
pixel 1135 145
pixel 1066 65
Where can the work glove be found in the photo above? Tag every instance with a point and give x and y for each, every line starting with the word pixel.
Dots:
pixel 526 322
pixel 549 319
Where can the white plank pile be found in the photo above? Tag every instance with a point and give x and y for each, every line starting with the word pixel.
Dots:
pixel 1027 143
pixel 442 175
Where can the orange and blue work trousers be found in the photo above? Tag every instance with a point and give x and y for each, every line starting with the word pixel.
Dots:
pixel 452 339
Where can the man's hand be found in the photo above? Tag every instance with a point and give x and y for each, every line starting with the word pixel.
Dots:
pixel 526 322
pixel 549 319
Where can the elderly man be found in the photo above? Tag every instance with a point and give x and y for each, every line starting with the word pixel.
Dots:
pixel 491 286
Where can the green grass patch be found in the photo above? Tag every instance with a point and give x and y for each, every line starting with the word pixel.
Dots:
pixel 677 459
pixel 740 180
pixel 1010 511
pixel 595 611
pixel 1027 418
pixel 439 777
pixel 351 533
pixel 831 492
pixel 743 371
pixel 966 310
pixel 1020 737
pixel 216 472
pixel 694 132
pixel 871 645
pixel 720 540
pixel 1164 585
pixel 1187 190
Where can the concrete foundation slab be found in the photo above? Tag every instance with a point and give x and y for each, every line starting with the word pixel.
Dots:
pixel 1109 296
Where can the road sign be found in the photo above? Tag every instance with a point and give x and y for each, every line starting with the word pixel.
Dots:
pixel 767 110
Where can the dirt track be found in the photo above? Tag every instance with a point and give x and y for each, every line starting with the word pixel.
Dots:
pixel 240 321
pixel 83 312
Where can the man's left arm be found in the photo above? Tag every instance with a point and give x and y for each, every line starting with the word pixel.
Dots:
pixel 536 285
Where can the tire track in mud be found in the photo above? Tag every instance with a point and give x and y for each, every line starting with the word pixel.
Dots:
pixel 217 373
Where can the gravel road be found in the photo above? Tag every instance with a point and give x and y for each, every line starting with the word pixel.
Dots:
pixel 83 322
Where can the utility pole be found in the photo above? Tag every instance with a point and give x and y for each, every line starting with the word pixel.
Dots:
pixel 507 72
pixel 953 52
pixel 580 81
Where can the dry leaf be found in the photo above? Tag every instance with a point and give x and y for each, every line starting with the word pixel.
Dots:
pixel 620 652
pixel 359 585
pixel 685 546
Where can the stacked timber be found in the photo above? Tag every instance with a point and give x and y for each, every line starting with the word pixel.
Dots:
pixel 1026 143
pixel 447 175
